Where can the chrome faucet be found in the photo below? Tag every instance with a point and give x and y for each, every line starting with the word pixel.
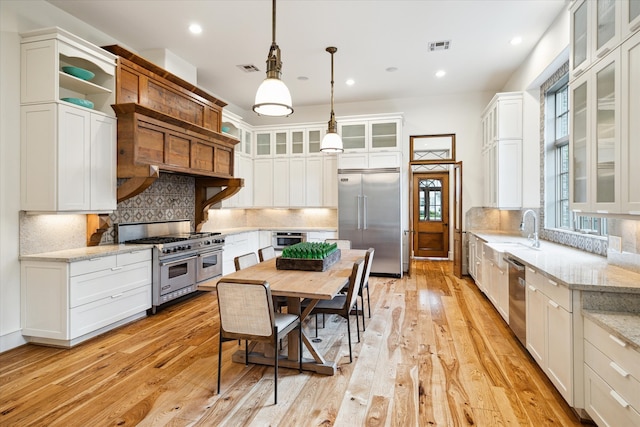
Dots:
pixel 535 242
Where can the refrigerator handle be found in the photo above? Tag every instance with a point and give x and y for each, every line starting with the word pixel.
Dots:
pixel 358 213
pixel 364 212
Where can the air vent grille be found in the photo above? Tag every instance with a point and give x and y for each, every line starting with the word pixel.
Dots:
pixel 440 45
pixel 248 68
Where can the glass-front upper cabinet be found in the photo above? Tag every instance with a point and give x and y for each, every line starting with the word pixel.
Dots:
pixel 297 142
pixel 580 50
pixel 354 136
pixel 630 17
pixel 263 143
pixel 314 138
pixel 579 169
pixel 606 137
pixel 281 142
pixel 384 135
pixel 607 28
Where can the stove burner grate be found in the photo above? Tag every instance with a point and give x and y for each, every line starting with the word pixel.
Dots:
pixel 157 240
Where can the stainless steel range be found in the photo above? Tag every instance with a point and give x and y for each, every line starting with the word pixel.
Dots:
pixel 181 258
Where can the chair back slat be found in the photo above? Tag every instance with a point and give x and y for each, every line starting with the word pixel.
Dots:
pixel 368 260
pixel 266 253
pixel 246 307
pixel 246 260
pixel 354 281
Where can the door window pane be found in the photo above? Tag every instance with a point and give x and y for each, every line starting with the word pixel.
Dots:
pixel 430 200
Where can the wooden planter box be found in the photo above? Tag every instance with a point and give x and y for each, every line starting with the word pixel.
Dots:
pixel 308 264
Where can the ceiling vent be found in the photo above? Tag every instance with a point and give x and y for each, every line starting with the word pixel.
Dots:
pixel 441 45
pixel 248 68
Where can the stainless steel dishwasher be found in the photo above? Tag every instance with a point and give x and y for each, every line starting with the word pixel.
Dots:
pixel 517 303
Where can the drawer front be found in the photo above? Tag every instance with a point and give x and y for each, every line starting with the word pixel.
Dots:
pixel 98 314
pixel 92 265
pixel 534 278
pixel 606 406
pixel 616 349
pixel 621 381
pixel 107 283
pixel 133 257
pixel 558 293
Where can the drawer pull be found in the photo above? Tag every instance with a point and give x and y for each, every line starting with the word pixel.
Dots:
pixel 553 304
pixel 552 282
pixel 116 295
pixel 116 268
pixel 95 259
pixel 618 341
pixel 618 399
pixel 618 369
pixel 603 52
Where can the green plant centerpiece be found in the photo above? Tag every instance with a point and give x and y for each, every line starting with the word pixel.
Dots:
pixel 309 256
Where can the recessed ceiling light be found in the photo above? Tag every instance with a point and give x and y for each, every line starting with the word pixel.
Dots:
pixel 195 28
pixel 516 40
pixel 391 69
pixel 350 82
pixel 441 73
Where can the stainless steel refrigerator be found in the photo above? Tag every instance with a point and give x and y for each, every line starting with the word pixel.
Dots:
pixel 369 215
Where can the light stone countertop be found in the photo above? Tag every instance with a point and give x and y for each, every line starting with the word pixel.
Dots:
pixel 81 254
pixel 625 326
pixel 574 268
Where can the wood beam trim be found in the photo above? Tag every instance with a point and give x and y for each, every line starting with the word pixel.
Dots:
pixel 97 225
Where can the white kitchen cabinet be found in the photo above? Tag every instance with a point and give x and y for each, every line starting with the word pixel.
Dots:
pixel 281 182
pixel 272 143
pixel 500 287
pixel 68 159
pixel 472 256
pixel 43 54
pixel 263 182
pixel 320 236
pixel 330 180
pixel 313 184
pixel 239 244
pixel 68 152
pixel 550 330
pixel 612 378
pixel 595 138
pixel 630 20
pixel 380 133
pixel 65 303
pixel 630 125
pixel 502 151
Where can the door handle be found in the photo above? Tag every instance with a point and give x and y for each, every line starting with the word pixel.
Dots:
pixel 358 214
pixel 364 212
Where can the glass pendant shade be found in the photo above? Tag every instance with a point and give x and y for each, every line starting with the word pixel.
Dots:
pixel 273 98
pixel 331 143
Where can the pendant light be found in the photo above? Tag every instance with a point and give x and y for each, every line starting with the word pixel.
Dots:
pixel 332 143
pixel 273 97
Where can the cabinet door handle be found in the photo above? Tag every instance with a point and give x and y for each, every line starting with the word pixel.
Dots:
pixel 603 52
pixel 618 369
pixel 635 27
pixel 95 259
pixel 553 304
pixel 531 270
pixel 619 399
pixel 618 341
pixel 116 295
pixel 116 268
pixel 532 289
pixel 553 282
pixel 576 73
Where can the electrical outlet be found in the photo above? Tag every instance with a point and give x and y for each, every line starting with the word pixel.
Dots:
pixel 615 243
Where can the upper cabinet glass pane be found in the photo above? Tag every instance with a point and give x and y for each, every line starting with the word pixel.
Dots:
pixel 606 20
pixel 281 143
pixel 353 136
pixel 383 135
pixel 263 144
pixel 634 9
pixel 297 142
pixel 314 141
pixel 580 167
pixel 606 135
pixel 580 34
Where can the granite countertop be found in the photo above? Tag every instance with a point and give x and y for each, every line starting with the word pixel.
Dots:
pixel 625 326
pixel 81 254
pixel 574 268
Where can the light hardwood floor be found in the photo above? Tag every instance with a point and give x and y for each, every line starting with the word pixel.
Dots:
pixel 435 353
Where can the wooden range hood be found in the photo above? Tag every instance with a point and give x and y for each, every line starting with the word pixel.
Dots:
pixel 166 124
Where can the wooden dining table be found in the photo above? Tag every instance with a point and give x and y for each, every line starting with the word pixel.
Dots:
pixel 295 285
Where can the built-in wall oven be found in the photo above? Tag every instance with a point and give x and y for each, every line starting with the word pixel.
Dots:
pixel 282 239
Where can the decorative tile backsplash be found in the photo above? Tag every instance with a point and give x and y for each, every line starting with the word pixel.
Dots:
pixel 170 197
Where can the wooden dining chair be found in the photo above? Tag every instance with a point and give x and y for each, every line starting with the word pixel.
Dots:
pixel 368 260
pixel 342 304
pixel 246 260
pixel 342 243
pixel 266 253
pixel 246 313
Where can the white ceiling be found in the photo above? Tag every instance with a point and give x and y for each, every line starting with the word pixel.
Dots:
pixel 371 36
